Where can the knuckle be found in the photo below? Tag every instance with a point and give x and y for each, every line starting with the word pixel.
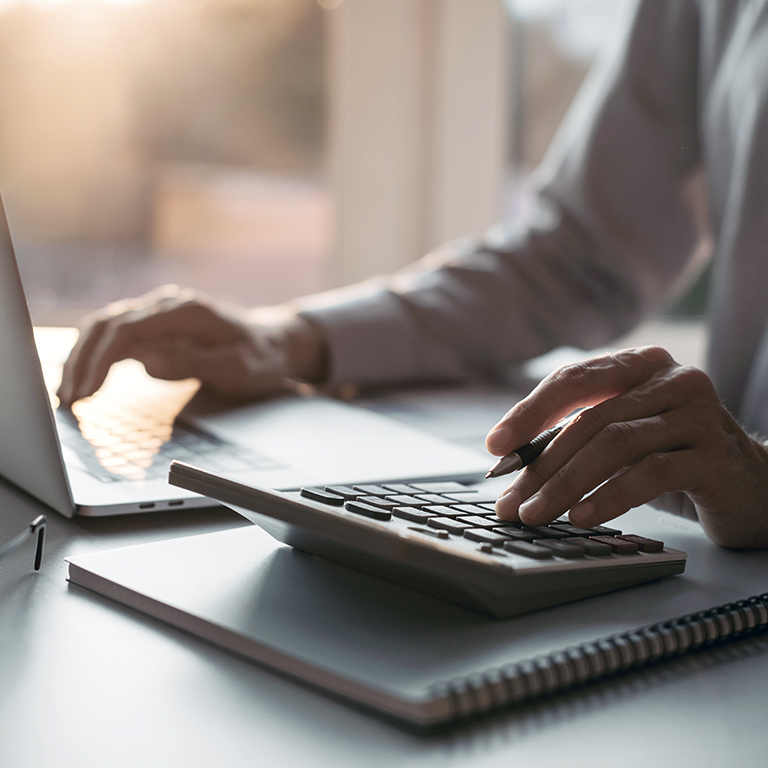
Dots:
pixel 694 382
pixel 660 470
pixel 592 420
pixel 615 438
pixel 656 355
pixel 565 484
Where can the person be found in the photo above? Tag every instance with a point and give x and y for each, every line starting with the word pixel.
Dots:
pixel 680 98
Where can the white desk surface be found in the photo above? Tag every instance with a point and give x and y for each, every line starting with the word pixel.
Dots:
pixel 84 682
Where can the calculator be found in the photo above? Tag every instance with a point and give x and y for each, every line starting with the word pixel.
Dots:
pixel 444 539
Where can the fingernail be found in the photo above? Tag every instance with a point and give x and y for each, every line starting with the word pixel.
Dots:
pixel 507 504
pixel 499 439
pixel 530 510
pixel 581 514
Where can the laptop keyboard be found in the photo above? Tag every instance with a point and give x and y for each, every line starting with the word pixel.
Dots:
pixel 127 443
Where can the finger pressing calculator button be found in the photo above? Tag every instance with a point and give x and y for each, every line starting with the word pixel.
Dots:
pixel 317 494
pixel 448 524
pixel 645 545
pixel 412 513
pixel 528 549
pixel 619 546
pixel 561 548
pixel 377 513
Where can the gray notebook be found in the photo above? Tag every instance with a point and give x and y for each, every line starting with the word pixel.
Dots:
pixel 406 654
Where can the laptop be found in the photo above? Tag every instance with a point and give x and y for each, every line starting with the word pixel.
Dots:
pixel 110 455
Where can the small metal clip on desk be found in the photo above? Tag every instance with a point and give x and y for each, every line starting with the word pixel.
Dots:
pixel 36 527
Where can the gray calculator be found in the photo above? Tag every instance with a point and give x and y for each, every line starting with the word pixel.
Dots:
pixel 445 539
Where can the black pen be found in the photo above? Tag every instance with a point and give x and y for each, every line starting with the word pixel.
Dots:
pixel 527 454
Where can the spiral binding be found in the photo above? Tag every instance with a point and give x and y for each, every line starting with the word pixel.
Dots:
pixel 611 655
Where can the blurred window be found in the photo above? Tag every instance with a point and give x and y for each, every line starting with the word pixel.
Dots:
pixel 153 141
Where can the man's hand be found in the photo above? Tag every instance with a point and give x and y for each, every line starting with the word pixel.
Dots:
pixel 653 426
pixel 177 334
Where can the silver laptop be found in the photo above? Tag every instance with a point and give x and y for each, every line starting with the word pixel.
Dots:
pixel 110 455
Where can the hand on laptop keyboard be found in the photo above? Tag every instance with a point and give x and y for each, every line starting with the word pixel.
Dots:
pixel 177 334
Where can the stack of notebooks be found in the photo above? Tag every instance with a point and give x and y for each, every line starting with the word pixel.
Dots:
pixel 412 656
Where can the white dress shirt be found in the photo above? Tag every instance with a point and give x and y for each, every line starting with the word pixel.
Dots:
pixel 681 95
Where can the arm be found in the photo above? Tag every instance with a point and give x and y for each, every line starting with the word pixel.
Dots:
pixel 610 238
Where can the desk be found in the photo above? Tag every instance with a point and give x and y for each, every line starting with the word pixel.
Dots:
pixel 87 683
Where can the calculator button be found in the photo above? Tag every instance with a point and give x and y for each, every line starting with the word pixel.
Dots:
pixel 477 522
pixel 516 533
pixel 369 511
pixel 619 546
pixel 645 545
pixel 528 549
pixel 591 547
pixel 604 530
pixel 412 513
pixel 407 500
pixel 401 488
pixel 372 490
pixel 543 532
pixel 317 494
pixel 561 549
pixel 378 501
pixel 344 491
pixel 442 510
pixel 431 498
pixel 448 524
pixel 485 536
pixel 445 487
pixel 470 509
pixel 573 530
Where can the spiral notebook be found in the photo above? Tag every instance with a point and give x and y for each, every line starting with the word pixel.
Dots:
pixel 411 656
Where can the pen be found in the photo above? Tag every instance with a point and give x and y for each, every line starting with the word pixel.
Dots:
pixel 527 454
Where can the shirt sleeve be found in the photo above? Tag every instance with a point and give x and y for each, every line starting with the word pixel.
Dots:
pixel 609 237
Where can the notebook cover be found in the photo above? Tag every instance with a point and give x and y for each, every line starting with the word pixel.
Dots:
pixel 380 645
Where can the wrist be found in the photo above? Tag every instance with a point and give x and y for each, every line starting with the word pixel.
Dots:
pixel 306 350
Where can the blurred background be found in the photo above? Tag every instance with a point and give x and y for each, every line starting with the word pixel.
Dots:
pixel 264 149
